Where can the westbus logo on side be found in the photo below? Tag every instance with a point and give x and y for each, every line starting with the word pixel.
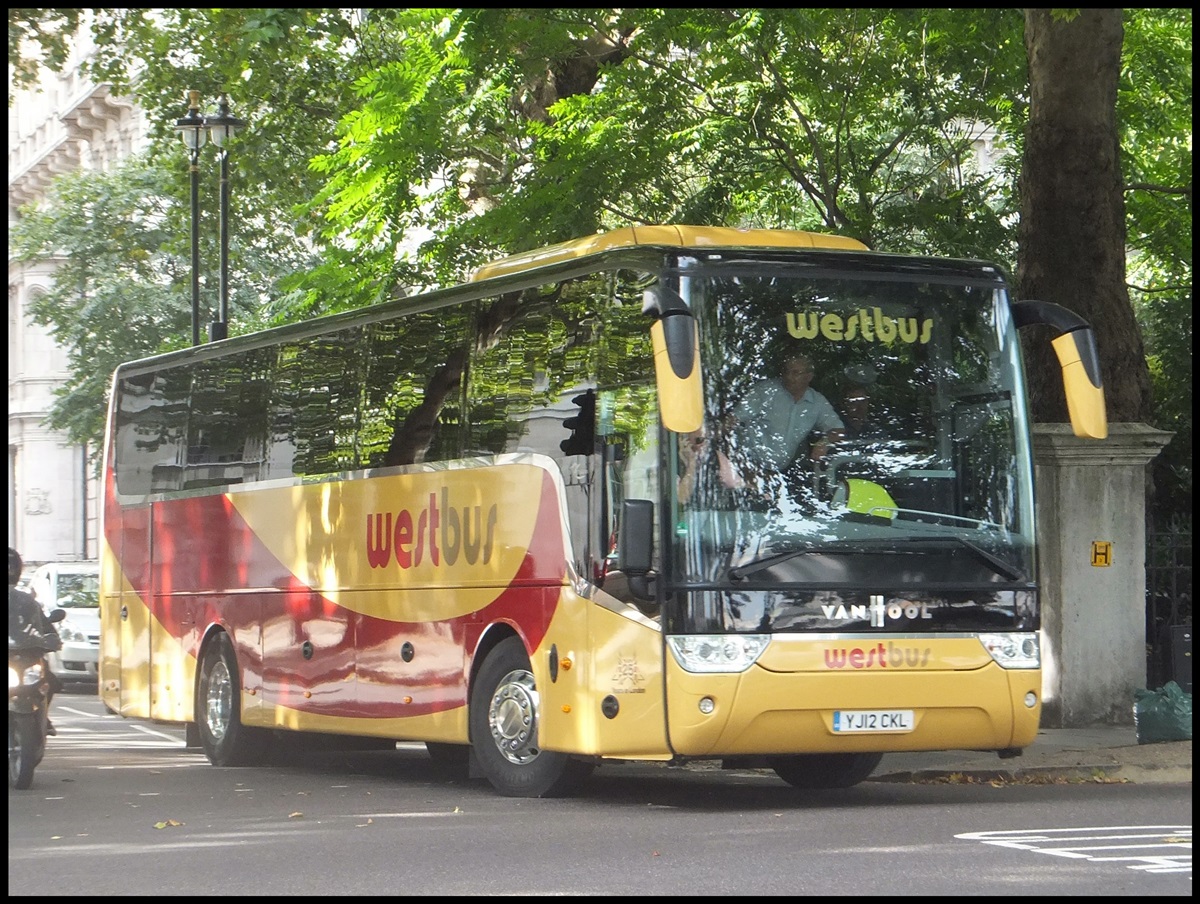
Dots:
pixel 880 656
pixel 439 528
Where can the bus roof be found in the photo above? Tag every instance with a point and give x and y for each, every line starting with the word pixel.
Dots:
pixel 670 236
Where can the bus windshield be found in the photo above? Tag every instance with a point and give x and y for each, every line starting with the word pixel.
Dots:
pixel 863 435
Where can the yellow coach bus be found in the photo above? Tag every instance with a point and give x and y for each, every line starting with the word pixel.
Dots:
pixel 663 493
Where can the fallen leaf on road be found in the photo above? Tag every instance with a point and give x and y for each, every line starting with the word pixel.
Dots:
pixel 167 823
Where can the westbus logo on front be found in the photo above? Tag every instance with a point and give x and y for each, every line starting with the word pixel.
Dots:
pixel 439 528
pixel 879 656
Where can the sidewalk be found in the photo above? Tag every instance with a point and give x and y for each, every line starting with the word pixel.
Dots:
pixel 1102 753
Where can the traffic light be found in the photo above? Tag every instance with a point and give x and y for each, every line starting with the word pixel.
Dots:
pixel 582 440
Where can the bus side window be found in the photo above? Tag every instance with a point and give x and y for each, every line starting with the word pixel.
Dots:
pixel 315 404
pixel 632 472
pixel 227 430
pixel 151 424
pixel 533 352
pixel 508 376
pixel 412 394
pixel 628 422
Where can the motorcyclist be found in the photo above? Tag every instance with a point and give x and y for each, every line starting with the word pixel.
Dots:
pixel 24 610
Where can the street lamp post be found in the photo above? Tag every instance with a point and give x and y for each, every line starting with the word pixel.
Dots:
pixel 222 127
pixel 192 129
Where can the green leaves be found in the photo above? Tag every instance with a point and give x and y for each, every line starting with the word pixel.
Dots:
pixel 393 148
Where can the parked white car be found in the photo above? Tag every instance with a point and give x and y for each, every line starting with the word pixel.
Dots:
pixel 74 587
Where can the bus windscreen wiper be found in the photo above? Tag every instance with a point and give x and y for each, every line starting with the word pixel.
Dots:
pixel 1002 568
pixel 741 572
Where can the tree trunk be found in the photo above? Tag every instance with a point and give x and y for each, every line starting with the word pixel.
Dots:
pixel 1072 229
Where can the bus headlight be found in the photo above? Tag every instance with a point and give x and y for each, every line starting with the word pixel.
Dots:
pixel 1013 651
pixel 717 652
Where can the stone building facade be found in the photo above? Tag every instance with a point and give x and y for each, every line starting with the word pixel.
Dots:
pixel 64 123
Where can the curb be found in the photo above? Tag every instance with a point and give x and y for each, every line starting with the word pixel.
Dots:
pixel 1044 775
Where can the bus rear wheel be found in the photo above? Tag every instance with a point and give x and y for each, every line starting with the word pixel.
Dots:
pixel 226 741
pixel 505 709
pixel 825 770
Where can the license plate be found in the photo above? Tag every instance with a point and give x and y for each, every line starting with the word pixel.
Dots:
pixel 852 720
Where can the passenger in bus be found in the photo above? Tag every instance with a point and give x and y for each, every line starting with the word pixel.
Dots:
pixel 697 455
pixel 855 403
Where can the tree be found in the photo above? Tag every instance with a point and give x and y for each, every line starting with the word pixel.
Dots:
pixel 400 147
pixel 1072 231
pixel 36 38
pixel 116 294
pixel 1154 110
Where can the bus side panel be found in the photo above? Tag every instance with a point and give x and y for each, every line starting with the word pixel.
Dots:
pixel 954 705
pixel 606 651
pixel 198 581
pixel 413 665
pixel 125 680
pixel 368 588
pixel 172 668
pixel 124 677
pixel 301 576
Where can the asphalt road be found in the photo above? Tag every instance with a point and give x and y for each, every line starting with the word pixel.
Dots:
pixel 121 807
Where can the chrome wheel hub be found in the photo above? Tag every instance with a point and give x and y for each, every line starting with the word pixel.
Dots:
pixel 512 717
pixel 218 701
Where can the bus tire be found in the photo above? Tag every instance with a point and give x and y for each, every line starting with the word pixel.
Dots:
pixel 504 730
pixel 226 741
pixel 825 770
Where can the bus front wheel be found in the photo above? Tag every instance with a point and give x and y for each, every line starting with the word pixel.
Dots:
pixel 505 709
pixel 825 770
pixel 226 741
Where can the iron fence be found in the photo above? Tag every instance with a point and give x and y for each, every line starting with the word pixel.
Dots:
pixel 1169 604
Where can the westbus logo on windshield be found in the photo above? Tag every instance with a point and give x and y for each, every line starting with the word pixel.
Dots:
pixel 439 529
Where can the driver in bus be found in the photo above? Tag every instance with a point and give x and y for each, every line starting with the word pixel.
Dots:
pixel 784 420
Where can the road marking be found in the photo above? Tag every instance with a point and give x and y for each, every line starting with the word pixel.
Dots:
pixel 158 734
pixel 1133 846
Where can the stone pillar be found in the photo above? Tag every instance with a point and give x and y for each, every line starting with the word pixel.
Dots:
pixel 1091 523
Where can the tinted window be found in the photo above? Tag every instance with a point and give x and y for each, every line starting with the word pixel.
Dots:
pixel 412 396
pixel 227 428
pixel 315 405
pixel 151 424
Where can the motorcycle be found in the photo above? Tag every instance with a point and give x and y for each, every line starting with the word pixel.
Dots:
pixel 28 700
